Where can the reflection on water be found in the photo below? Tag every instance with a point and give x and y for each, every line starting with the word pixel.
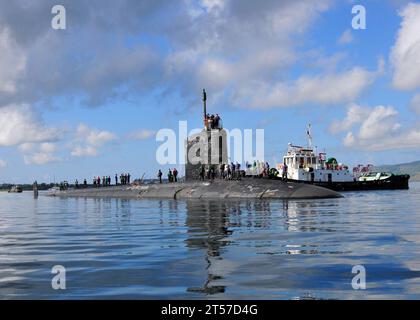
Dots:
pixel 207 224
pixel 115 248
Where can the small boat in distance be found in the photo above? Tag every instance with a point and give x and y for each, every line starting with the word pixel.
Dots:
pixel 15 189
pixel 53 191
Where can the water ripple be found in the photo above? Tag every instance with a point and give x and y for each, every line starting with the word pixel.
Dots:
pixel 211 249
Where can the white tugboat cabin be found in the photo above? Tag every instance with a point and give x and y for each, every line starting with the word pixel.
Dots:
pixel 303 164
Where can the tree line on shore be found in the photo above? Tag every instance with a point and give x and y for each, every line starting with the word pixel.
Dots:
pixel 26 186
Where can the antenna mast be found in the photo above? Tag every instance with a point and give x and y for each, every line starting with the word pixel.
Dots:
pixel 309 133
pixel 205 108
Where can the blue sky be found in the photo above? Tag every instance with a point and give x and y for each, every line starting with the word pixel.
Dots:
pixel 88 100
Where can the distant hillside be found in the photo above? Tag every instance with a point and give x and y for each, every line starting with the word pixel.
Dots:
pixel 412 168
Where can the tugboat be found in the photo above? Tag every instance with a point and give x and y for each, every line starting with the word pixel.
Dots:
pixel 15 189
pixel 304 164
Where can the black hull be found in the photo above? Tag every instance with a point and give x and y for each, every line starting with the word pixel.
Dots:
pixel 395 182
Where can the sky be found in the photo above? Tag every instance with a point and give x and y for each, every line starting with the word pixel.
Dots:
pixel 89 99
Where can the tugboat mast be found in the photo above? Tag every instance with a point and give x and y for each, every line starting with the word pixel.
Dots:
pixel 309 133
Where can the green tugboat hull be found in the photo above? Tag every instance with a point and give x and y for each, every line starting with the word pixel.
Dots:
pixel 394 182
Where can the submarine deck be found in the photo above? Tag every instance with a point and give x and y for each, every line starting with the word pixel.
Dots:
pixel 217 189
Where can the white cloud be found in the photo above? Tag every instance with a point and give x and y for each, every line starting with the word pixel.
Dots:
pixel 86 151
pixel 39 153
pixel 405 55
pixel 40 158
pixel 3 163
pixel 211 5
pixel 35 64
pixel 375 129
pixel 346 37
pixel 355 115
pixel 94 137
pixel 324 89
pixel 381 121
pixel 12 62
pixel 409 139
pixel 26 147
pixel 415 103
pixel 231 47
pixel 48 147
pixel 245 52
pixel 89 140
pixel 349 139
pixel 142 134
pixel 19 125
pixel 246 48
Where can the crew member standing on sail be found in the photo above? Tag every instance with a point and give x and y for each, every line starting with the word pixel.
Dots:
pixel 170 176
pixel 202 172
pixel 175 173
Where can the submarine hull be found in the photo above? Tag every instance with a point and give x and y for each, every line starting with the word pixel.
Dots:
pixel 217 189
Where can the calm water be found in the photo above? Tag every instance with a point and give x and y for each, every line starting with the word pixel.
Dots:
pixel 211 250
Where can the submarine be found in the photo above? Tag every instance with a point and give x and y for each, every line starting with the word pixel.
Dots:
pixel 208 190
pixel 207 151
